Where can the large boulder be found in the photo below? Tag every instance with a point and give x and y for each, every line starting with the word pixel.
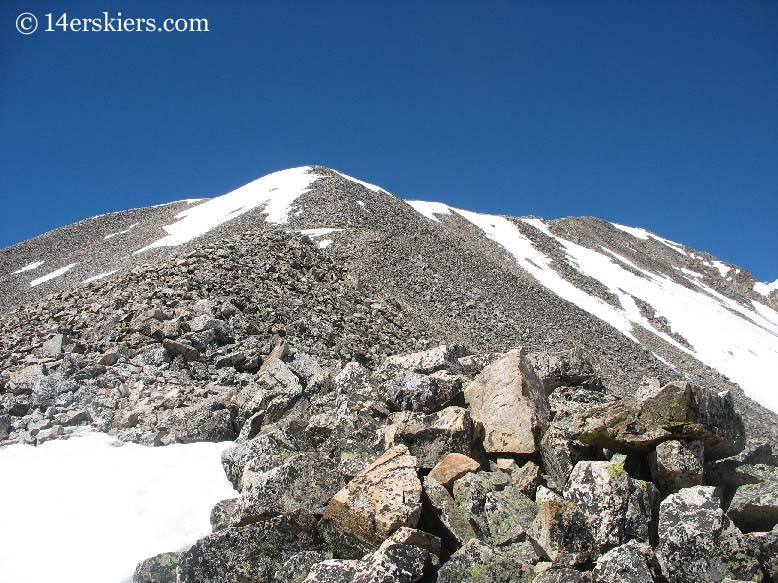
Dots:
pixel 383 497
pixel 410 391
pixel 430 437
pixel 477 562
pixel 246 554
pixel 678 410
pixel 562 534
pixel 426 361
pixel 755 506
pixel 274 392
pixel 508 400
pixel 697 542
pixel 617 507
pixel 677 464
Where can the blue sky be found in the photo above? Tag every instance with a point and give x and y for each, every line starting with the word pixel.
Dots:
pixel 655 114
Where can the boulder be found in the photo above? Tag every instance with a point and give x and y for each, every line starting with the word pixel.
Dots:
pixel 221 514
pixel 265 451
pixel 452 467
pixel 617 507
pixel 527 478
pixel 410 391
pixel 208 420
pixel 678 410
pixel 52 348
pixel 418 538
pixel 477 562
pixel 755 506
pixel 175 348
pixel 697 542
pixel 677 464
pixel 157 569
pixel 443 516
pixel 566 368
pixel 274 392
pixel 383 497
pixel 392 563
pixel 246 554
pixel 765 547
pixel 426 361
pixel 623 564
pixel 23 380
pixel 430 437
pixel 303 484
pixel 560 452
pixel 562 534
pixel 332 571
pixel 557 574
pixel 297 567
pixel 508 400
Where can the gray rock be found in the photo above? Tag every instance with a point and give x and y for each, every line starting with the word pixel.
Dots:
pixel 443 516
pixel 765 548
pixel 158 569
pixel 562 534
pixel 562 575
pixel 617 507
pixel 677 464
pixel 5 426
pixel 410 391
pixel 392 563
pixel 755 506
pixel 221 514
pixel 23 380
pixel 567 368
pixel 52 348
pixel 297 567
pixel 246 554
pixel 623 564
pixel 275 392
pixel 209 420
pixel 430 437
pixel 49 389
pixel 697 542
pixel 560 452
pixel 527 478
pixel 265 451
pixel 509 401
pixel 333 571
pixel 427 361
pixel 476 561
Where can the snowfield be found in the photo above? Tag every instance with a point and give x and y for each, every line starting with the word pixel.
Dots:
pixel 88 509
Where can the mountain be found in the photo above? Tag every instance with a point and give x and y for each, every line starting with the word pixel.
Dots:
pixel 639 303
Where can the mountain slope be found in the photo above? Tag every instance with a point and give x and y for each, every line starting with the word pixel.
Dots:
pixel 642 305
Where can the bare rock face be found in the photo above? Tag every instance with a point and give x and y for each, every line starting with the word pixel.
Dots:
pixel 677 464
pixel 509 401
pixel 378 501
pixel 755 506
pixel 678 410
pixel 562 533
pixel 617 507
pixel 697 542
pixel 452 467
pixel 430 437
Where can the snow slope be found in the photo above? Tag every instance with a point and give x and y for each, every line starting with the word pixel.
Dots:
pixel 98 507
pixel 739 341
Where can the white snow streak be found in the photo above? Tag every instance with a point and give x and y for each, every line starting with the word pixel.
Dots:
pixel 765 289
pixel 125 231
pixel 275 193
pixel 643 234
pixel 367 185
pixel 52 275
pixel 30 267
pixel 87 509
pixel 100 276
pixel 324 243
pixel 430 209
pixel 319 232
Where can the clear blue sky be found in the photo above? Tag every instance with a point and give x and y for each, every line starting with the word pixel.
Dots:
pixel 657 114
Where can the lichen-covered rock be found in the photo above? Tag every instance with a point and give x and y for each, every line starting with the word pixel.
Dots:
pixel 765 548
pixel 418 538
pixel 678 410
pixel 623 564
pixel 499 513
pixel 297 567
pixel 755 506
pixel 157 569
pixel 246 554
pixel 509 401
pixel 265 451
pixel 304 483
pixel 452 467
pixel 430 437
pixel 410 391
pixel 677 464
pixel 221 514
pixel 557 574
pixel 477 562
pixel 442 515
pixel 617 507
pixel 332 571
pixel 376 502
pixel 562 534
pixel 527 478
pixel 274 392
pixel 697 542
pixel 567 368
pixel 393 563
pixel 212 419
pixel 560 452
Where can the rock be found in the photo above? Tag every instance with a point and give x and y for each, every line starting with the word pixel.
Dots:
pixel 378 501
pixel 677 464
pixel 274 392
pixel 427 361
pixel 410 391
pixel 472 364
pixel 23 380
pixel 477 562
pixel 527 478
pixel 297 567
pixel 562 575
pixel 755 506
pixel 508 400
pixel 443 516
pixel 48 390
pixel 265 451
pixel 109 358
pixel 430 437
pixel 452 467
pixel 623 564
pixel 52 348
pixel 498 512
pixel 562 534
pixel 246 554
pixel 158 569
pixel 679 410
pixel 186 351
pixel 209 420
pixel 392 563
pixel 617 507
pixel 765 548
pixel 697 542
pixel 417 538
pixel 5 426
pixel 221 514
pixel 560 452
pixel 566 368
pixel 303 484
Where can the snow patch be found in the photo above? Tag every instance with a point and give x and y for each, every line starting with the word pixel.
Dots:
pixel 367 185
pixel 765 289
pixel 89 508
pixel 430 209
pixel 274 193
pixel 52 275
pixel 30 267
pixel 100 276
pixel 645 235
pixel 361 202
pixel 324 243
pixel 722 267
pixel 124 232
pixel 319 232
